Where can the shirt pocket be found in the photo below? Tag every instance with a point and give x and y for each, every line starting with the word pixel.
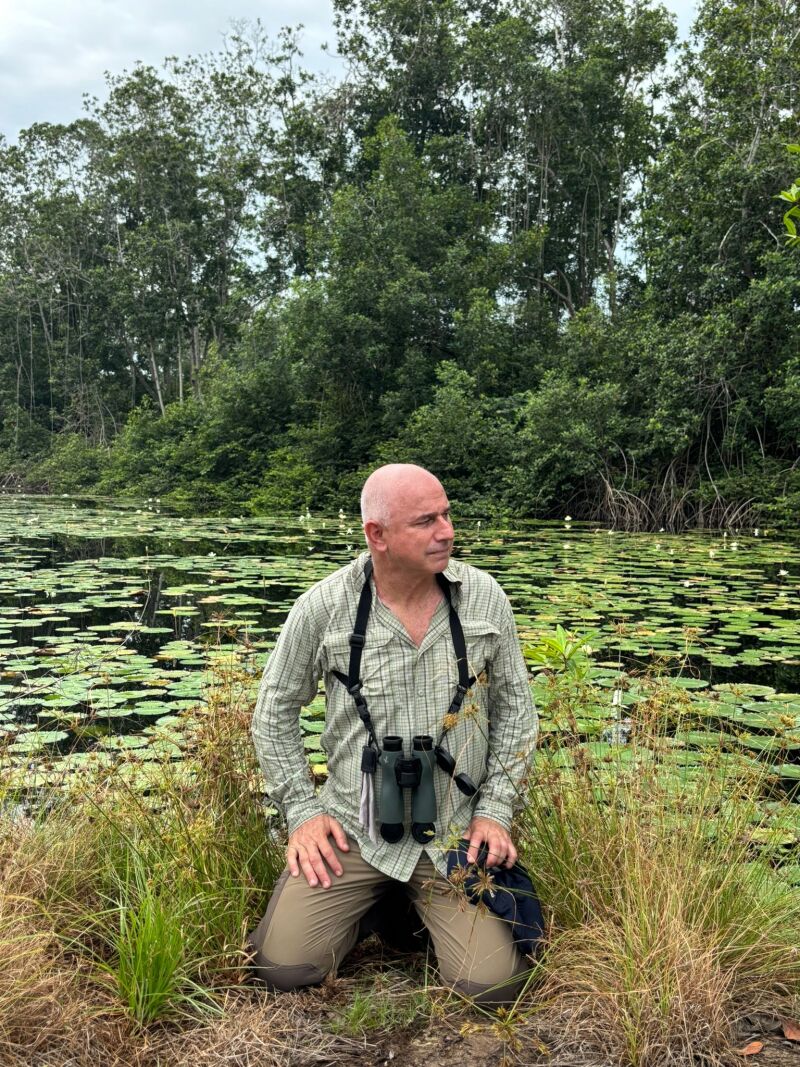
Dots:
pixel 481 638
pixel 336 654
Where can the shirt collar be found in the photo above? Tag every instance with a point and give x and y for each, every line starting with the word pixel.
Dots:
pixel 454 571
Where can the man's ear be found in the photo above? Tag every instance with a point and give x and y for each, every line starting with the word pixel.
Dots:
pixel 373 531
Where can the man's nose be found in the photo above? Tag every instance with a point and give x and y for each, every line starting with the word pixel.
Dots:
pixel 444 528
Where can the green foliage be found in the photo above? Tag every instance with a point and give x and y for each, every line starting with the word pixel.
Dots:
pixel 563 652
pixel 498 251
pixel 72 464
pixel 467 439
pixel 384 1004
pixel 569 430
pixel 149 946
pixel 648 968
pixel 290 482
pixel 792 197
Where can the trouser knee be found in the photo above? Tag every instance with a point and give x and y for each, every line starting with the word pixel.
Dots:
pixel 284 977
pixel 489 996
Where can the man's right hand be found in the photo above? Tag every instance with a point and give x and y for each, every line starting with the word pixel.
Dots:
pixel 309 849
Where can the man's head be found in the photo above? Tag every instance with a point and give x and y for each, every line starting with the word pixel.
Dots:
pixel 406 516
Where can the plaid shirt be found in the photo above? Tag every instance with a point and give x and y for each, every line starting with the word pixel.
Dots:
pixel 408 690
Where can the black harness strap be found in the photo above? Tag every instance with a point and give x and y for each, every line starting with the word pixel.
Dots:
pixel 352 681
pixel 460 646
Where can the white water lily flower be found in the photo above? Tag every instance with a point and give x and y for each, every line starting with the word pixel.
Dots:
pixel 567 518
pixel 756 532
pixel 687 583
pixel 782 573
pixel 712 552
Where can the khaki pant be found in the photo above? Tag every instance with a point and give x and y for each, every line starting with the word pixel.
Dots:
pixel 306 933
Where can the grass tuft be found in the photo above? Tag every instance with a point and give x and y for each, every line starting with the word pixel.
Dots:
pixel 670 916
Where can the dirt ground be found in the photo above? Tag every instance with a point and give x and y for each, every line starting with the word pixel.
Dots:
pixel 485 1049
pixel 320 1028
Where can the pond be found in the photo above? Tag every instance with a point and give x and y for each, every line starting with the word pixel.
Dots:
pixel 112 618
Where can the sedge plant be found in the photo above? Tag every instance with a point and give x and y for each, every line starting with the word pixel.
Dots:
pixel 670 917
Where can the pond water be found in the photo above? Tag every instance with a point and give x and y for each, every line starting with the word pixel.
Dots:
pixel 112 616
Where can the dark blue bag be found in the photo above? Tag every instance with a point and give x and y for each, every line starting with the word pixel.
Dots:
pixel 510 895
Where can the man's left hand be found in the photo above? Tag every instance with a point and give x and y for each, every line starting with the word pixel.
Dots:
pixel 498 841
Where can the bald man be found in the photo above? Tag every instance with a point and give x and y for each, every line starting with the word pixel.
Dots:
pixel 341 858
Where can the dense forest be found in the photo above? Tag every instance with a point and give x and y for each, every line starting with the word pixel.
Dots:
pixel 537 247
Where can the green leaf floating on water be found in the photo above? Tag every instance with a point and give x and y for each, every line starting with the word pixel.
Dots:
pixel 36 740
pixel 122 742
pixel 312 726
pixel 743 689
pixel 642 592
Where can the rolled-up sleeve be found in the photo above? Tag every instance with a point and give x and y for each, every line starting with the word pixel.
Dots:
pixel 513 726
pixel 289 682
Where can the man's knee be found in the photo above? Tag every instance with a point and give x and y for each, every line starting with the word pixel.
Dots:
pixel 498 995
pixel 284 976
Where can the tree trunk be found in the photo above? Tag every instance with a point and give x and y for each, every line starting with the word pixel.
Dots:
pixel 156 380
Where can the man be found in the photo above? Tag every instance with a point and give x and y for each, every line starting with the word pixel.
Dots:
pixel 338 865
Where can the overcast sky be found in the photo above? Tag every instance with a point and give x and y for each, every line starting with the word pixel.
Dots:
pixel 54 51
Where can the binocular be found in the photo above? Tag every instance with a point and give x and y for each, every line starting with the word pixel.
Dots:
pixel 416 774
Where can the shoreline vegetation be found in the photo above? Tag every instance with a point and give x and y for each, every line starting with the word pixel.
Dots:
pixel 672 906
pixel 539 249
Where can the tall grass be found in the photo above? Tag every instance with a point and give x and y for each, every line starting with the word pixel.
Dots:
pixel 150 892
pixel 149 948
pixel 35 986
pixel 670 916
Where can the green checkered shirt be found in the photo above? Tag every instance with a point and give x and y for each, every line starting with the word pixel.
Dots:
pixel 408 690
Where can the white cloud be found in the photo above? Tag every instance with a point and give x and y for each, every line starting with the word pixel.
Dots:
pixel 54 51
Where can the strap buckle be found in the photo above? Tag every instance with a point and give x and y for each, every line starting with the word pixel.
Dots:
pixel 358 640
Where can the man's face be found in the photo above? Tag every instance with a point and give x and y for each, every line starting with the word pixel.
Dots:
pixel 419 535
